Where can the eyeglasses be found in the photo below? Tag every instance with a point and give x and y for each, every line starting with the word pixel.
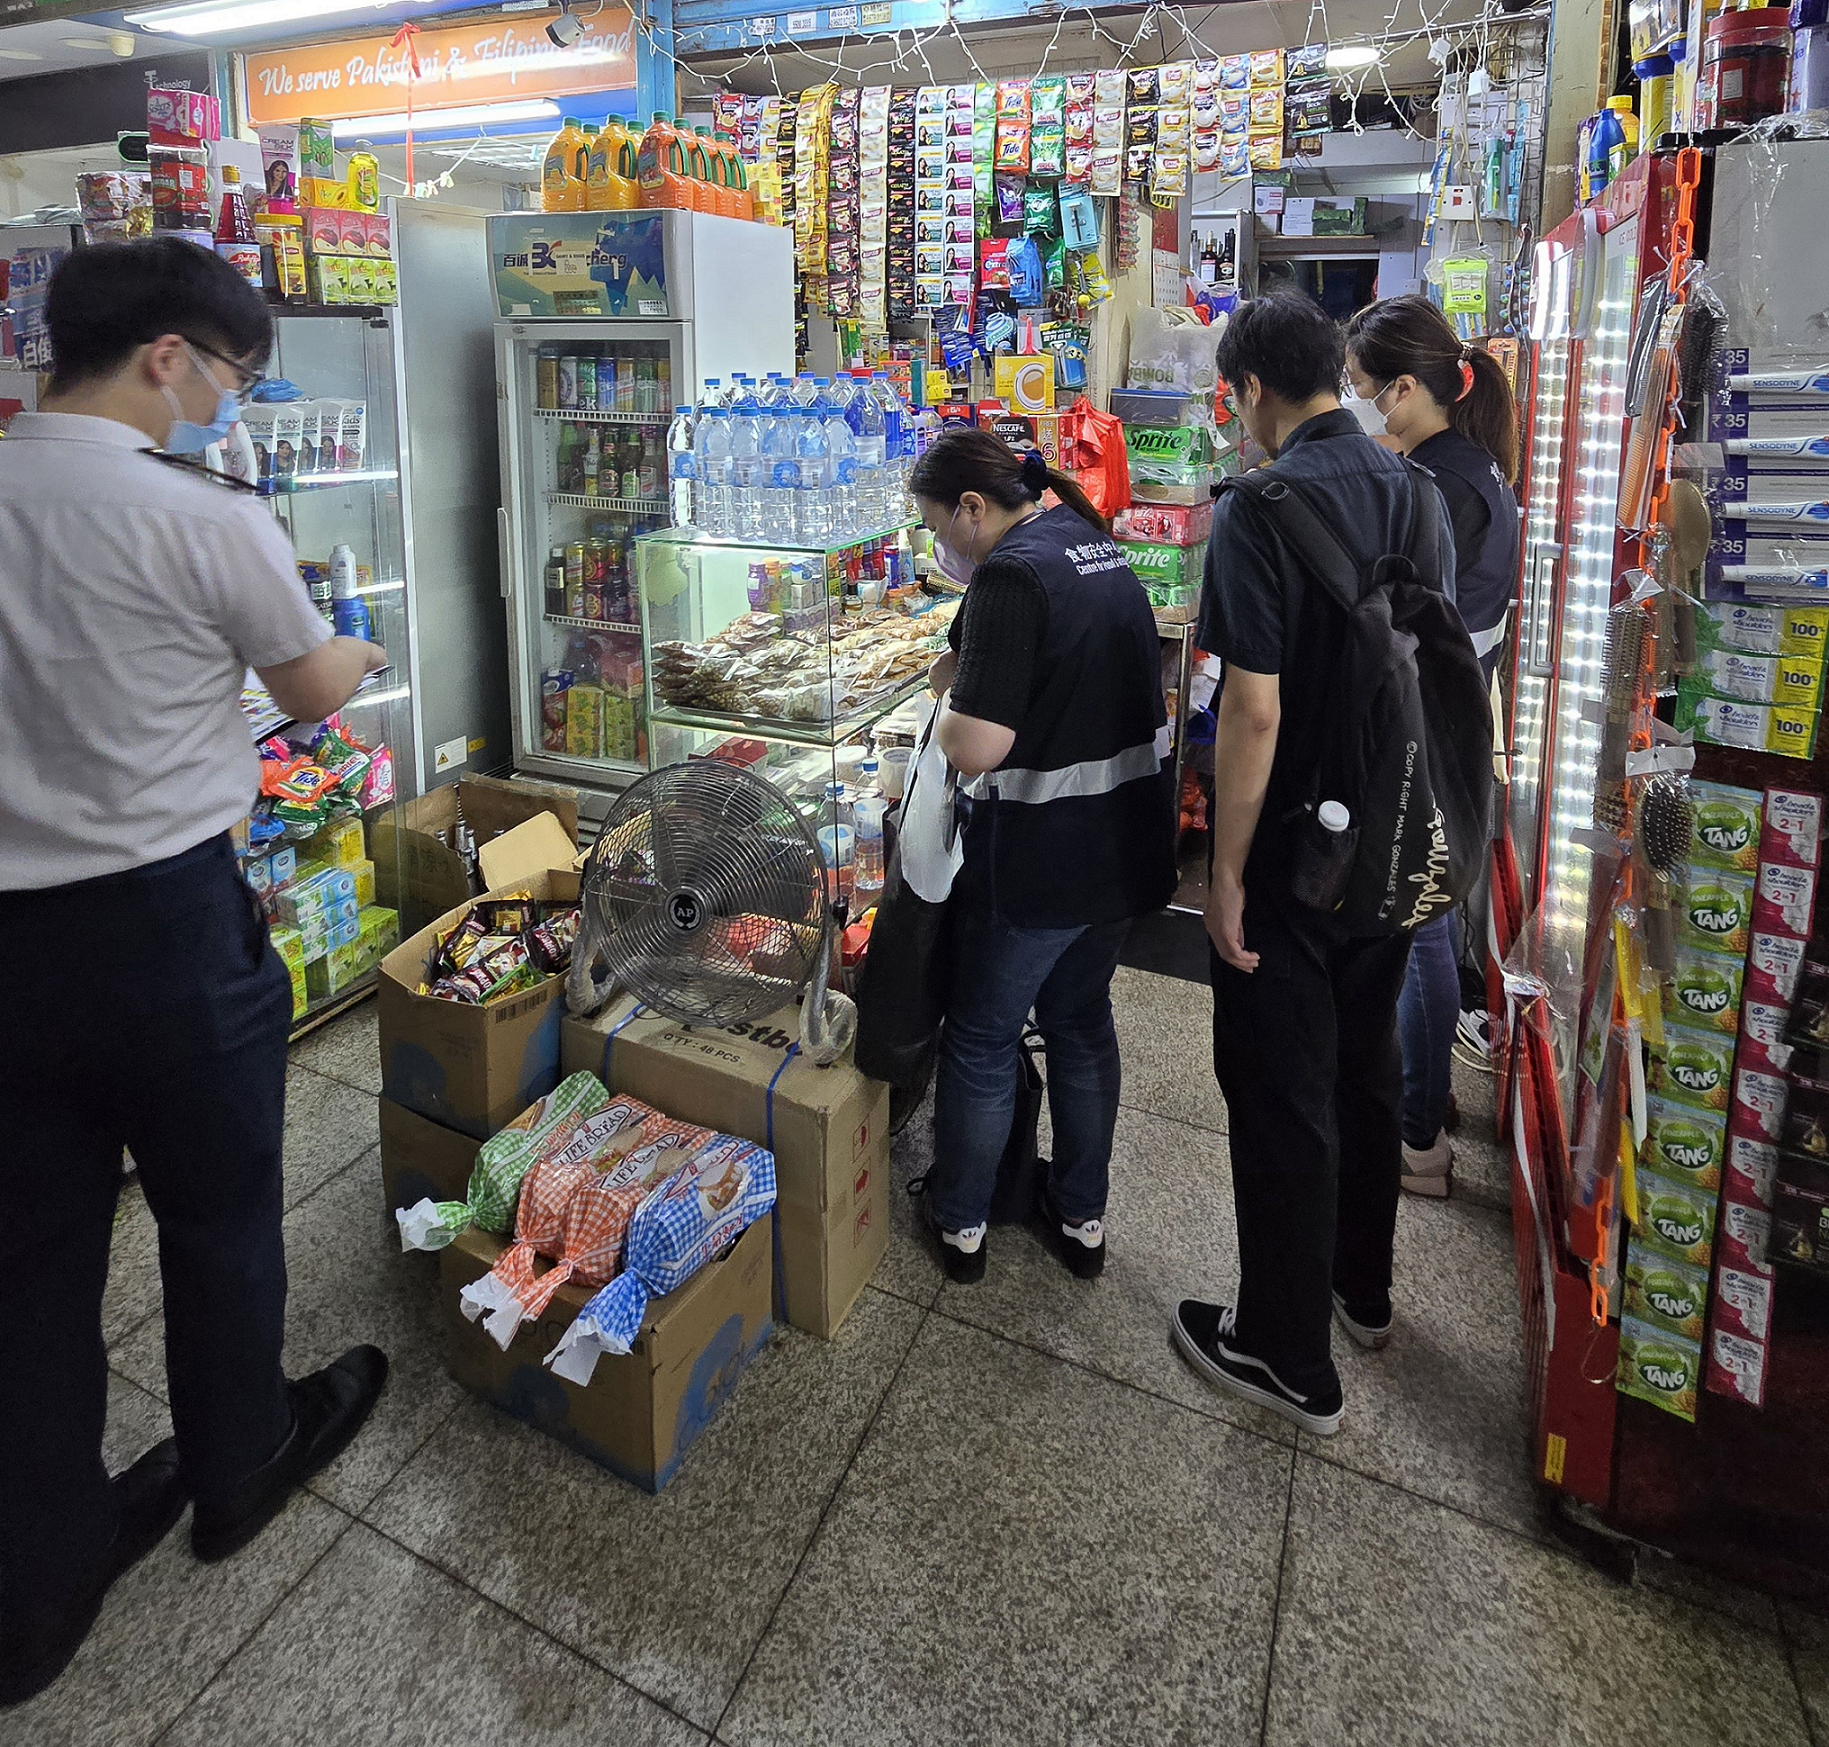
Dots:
pixel 246 380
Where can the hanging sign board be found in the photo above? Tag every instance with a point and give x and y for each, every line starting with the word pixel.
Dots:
pixel 494 60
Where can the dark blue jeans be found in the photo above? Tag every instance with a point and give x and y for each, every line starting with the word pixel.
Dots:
pixel 1000 973
pixel 145 1010
pixel 1428 1012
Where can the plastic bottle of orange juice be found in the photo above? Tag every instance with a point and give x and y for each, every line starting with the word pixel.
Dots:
pixel 742 205
pixel 661 166
pixel 712 165
pixel 698 168
pixel 561 179
pixel 610 184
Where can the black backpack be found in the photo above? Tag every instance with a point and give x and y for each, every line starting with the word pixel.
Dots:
pixel 1408 742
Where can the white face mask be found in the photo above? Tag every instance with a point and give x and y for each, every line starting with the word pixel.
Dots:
pixel 1366 410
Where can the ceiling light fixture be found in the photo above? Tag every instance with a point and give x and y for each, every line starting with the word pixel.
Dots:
pixel 98 43
pixel 19 55
pixel 224 17
pixel 432 120
pixel 1349 57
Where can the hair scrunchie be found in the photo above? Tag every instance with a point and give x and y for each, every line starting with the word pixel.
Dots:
pixel 1034 472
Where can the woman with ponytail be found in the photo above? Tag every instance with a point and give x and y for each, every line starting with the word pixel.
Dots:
pixel 1445 404
pixel 1052 695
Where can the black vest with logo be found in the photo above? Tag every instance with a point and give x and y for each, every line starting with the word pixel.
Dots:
pixel 1077 825
pixel 1484 581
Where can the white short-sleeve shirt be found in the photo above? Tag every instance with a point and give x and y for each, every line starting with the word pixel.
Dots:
pixel 133 600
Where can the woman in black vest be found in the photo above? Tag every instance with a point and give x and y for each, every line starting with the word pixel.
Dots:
pixel 1052 695
pixel 1448 406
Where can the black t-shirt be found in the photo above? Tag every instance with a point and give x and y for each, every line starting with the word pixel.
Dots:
pixel 997 631
pixel 1257 612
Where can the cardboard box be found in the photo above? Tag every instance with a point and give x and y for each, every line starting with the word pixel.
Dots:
pixel 641 1412
pixel 423 878
pixel 829 1133
pixel 475 1068
pixel 422 1160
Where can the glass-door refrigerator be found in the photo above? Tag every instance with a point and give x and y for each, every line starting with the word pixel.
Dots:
pixel 607 321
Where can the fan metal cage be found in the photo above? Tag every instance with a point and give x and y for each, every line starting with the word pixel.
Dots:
pixel 705 894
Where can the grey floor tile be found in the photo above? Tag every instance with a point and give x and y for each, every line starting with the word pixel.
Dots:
pixel 1022 1553
pixel 909 1269
pixel 133 1291
pixel 1808 1637
pixel 328 1124
pixel 670 1591
pixel 1482 1165
pixel 1705 1589
pixel 377 1647
pixel 1402 1622
pixel 1165 1039
pixel 347 1049
pixel 1171 1236
pixel 170 1623
pixel 348 1283
pixel 1442 1409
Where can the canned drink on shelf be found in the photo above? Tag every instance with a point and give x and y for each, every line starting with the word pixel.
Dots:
pixel 568 381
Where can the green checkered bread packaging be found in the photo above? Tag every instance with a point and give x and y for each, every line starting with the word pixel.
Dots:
pixel 504 1160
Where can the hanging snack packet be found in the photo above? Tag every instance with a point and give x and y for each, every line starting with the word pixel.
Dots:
pixel 1079 166
pixel 1105 173
pixel 1142 86
pixel 1012 152
pixel 1235 73
pixel 1175 82
pixel 1266 151
pixel 1010 191
pixel 1041 215
pixel 1080 87
pixel 1109 87
pixel 1078 124
pixel 1169 173
pixel 541 1130
pixel 1267 70
pixel 1047 148
pixel 1108 126
pixel 1206 78
pixel 1012 99
pixel 1308 62
pixel 682 1225
pixel 1136 162
pixel 993 266
pixel 1140 127
pixel 1267 111
pixel 1234 155
pixel 1206 151
pixel 1047 98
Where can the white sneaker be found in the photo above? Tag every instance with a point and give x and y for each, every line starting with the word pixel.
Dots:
pixel 1429 1171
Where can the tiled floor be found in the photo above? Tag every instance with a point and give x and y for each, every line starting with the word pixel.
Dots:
pixel 1005 1513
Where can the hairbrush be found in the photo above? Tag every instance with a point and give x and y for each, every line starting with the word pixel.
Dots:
pixel 1625 644
pixel 1666 829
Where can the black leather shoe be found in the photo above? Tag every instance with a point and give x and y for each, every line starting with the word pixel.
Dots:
pixel 328 1409
pixel 152 1498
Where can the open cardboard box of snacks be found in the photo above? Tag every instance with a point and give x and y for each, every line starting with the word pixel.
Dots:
pixel 424 879
pixel 475 1068
pixel 640 1411
pixel 827 1127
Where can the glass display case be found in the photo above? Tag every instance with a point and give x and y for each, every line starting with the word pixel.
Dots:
pixel 329 465
pixel 782 658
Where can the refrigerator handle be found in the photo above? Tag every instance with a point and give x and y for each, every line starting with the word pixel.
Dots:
pixel 1540 624
pixel 503 547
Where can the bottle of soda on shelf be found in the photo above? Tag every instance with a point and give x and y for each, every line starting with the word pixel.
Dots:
pixel 625 383
pixel 546 378
pixel 565 456
pixel 236 241
pixel 593 465
pixel 629 483
pixel 680 466
pixel 647 395
pixel 555 582
pixel 650 462
pixel 663 384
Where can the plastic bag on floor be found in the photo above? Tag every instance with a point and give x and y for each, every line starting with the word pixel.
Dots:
pixel 682 1225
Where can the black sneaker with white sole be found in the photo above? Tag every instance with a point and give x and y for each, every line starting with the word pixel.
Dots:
pixel 961 1252
pixel 1080 1244
pixel 1207 1336
pixel 1368 1323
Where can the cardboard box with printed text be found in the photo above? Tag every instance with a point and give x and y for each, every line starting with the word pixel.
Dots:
pixel 828 1128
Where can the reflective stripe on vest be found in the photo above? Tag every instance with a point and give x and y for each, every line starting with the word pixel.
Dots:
pixel 1095 776
pixel 1484 642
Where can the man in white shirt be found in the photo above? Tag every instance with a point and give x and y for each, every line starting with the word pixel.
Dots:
pixel 145 1007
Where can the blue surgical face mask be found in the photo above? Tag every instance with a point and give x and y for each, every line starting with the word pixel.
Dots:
pixel 954 565
pixel 187 438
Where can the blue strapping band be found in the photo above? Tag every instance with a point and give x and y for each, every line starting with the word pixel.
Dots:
pixel 768 1111
pixel 603 1067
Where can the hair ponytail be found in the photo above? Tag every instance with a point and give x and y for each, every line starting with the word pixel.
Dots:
pixel 1409 336
pixel 966 458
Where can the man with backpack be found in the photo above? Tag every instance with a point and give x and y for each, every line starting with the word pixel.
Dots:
pixel 1352 773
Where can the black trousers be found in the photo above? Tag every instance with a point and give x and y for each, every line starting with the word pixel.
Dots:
pixel 144 1010
pixel 1305 1050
